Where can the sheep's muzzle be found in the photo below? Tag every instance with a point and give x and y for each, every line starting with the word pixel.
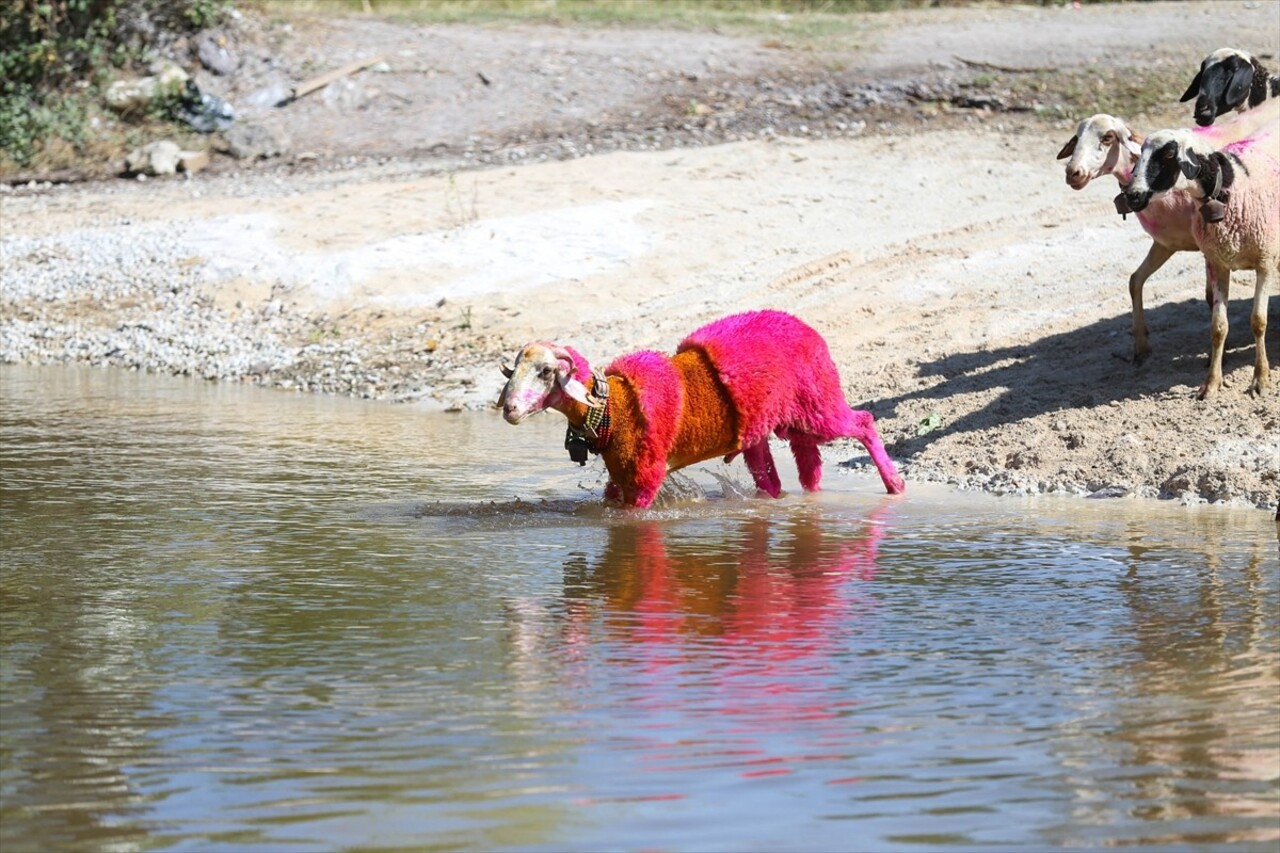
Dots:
pixel 1136 201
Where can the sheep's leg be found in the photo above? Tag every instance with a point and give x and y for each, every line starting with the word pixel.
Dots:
pixel 649 476
pixel 637 489
pixel 1156 257
pixel 862 426
pixel 645 496
pixel 808 460
pixel 1218 280
pixel 1258 321
pixel 760 463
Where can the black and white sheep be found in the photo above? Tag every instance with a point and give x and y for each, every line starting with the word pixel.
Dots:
pixel 1238 187
pixel 1105 145
pixel 1230 79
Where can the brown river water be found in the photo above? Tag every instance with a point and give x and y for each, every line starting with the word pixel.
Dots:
pixel 236 619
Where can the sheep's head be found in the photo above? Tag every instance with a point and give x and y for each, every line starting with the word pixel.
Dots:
pixel 1168 156
pixel 1222 84
pixel 1102 145
pixel 542 377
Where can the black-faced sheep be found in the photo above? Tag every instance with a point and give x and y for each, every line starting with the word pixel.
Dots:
pixel 1105 145
pixel 1238 188
pixel 1230 79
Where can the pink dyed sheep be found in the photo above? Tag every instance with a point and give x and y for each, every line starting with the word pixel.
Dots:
pixel 1238 189
pixel 730 385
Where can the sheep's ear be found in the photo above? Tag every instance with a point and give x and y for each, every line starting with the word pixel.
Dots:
pixel 573 388
pixel 1189 162
pixel 1238 87
pixel 1194 88
pixel 1069 147
pixel 1133 144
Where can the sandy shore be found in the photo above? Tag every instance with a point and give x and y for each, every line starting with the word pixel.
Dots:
pixel 972 301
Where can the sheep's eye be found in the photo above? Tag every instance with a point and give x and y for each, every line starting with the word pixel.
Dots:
pixel 1168 153
pixel 1108 138
pixel 545 372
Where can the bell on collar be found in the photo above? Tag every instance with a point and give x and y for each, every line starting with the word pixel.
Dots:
pixel 576 444
pixel 1213 210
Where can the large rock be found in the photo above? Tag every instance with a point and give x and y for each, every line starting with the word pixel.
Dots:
pixel 131 95
pixel 251 141
pixel 154 158
pixel 215 52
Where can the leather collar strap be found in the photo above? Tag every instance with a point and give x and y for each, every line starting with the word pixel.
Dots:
pixel 596 430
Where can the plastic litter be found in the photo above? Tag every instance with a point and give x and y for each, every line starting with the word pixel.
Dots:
pixel 203 112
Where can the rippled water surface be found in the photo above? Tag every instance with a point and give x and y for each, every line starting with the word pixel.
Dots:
pixel 242 620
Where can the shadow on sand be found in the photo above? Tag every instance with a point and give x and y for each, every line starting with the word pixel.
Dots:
pixel 1086 368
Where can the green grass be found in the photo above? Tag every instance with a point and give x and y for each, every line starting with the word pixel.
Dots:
pixel 591 11
pixel 810 25
pixel 802 22
pixel 1148 91
pixel 688 14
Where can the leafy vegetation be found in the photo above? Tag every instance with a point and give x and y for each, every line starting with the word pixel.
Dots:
pixel 56 55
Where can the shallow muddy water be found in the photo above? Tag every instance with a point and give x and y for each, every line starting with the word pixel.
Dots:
pixel 236 619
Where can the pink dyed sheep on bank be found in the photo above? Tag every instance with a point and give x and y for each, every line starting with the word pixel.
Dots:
pixel 730 385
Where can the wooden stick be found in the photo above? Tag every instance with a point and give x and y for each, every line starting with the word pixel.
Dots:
pixel 991 66
pixel 328 77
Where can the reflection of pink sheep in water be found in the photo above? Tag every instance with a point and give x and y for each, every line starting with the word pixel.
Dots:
pixel 682 653
pixel 776 593
pixel 730 385
pixel 745 634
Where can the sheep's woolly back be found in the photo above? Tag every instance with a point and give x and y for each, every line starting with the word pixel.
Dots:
pixel 660 395
pixel 1237 126
pixel 1250 233
pixel 778 372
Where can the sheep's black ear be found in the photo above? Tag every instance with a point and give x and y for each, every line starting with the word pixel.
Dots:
pixel 1068 148
pixel 1194 88
pixel 1238 87
pixel 1189 162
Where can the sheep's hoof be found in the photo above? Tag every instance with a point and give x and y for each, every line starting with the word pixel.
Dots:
pixel 1139 356
pixel 1208 390
pixel 1213 211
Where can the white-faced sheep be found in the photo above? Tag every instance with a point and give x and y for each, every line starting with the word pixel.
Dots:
pixel 730 385
pixel 1238 187
pixel 1105 145
pixel 1230 79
